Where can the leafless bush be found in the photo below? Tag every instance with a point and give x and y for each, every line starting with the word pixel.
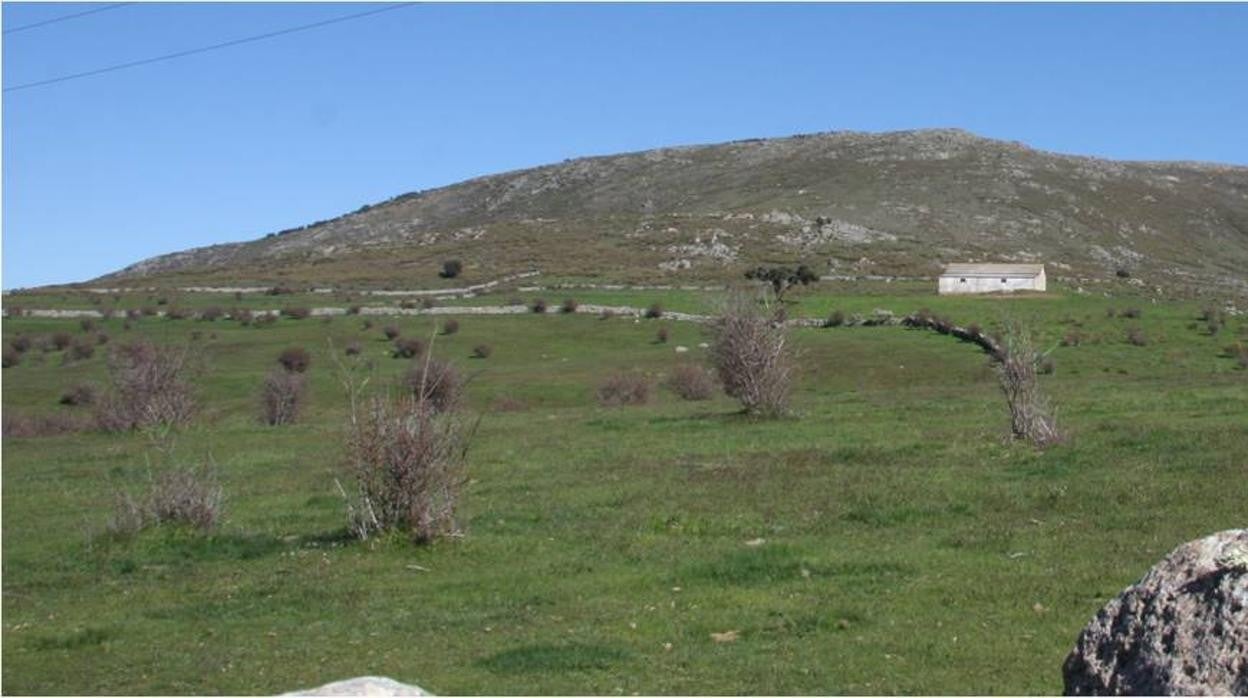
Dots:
pixel 753 358
pixel 177 314
pixel 21 425
pixel 692 382
pixel 836 319
pixel 569 305
pixel 606 314
pixel 408 464
pixel 1072 338
pixel 281 397
pixel 20 344
pixel 408 348
pixel 662 335
pixel 353 310
pixel 428 303
pixel 1239 352
pixel 295 359
pixel 88 325
pixel 391 332
pixel 80 395
pixel 81 349
pixel 242 315
pixel 1031 417
pixel 264 319
pixel 450 326
pixel 353 348
pixel 296 312
pixel 482 351
pixel 280 291
pixel 211 314
pixel 655 311
pixel 435 382
pixel 1136 337
pixel 624 389
pixel 1133 313
pixel 408 304
pixel 149 385
pixel 189 496
pixel 539 305
pixel 61 340
pixel 10 358
pixel 180 496
pixel 133 314
pixel 102 337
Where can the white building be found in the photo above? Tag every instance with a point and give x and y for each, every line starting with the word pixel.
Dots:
pixel 991 278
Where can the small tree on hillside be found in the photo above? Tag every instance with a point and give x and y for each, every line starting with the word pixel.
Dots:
pixel 782 279
pixel 451 268
pixel 753 357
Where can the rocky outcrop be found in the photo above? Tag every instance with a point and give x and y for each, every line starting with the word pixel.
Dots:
pixel 1181 630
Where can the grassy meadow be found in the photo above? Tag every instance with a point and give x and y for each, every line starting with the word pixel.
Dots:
pixel 886 538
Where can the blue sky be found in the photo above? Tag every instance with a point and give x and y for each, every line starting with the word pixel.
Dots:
pixel 229 145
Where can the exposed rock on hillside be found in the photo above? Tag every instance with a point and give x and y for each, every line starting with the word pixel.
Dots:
pixel 1181 630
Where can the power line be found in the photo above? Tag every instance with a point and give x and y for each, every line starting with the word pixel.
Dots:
pixel 205 49
pixel 63 18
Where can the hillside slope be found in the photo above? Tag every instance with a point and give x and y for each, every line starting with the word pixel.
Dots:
pixel 851 203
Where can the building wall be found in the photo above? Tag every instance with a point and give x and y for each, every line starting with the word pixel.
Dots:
pixel 979 284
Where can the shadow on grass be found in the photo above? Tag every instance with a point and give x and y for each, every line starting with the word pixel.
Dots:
pixel 554 658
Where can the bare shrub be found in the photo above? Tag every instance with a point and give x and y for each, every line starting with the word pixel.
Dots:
pixel 21 425
pixel 149 385
pixel 428 303
pixel 408 304
pixel 61 340
pixel 280 291
pixel 606 314
pixel 353 310
pixel 655 311
pixel 1072 338
pixel 88 325
pixel 264 319
pixel 366 325
pixel 241 315
pixel 662 335
pixel 435 382
pixel 691 382
pixel 482 351
pixel 451 268
pixel 177 314
pixel 353 348
pixel 211 314
pixel 80 394
pixel 133 313
pixel 187 496
pixel 180 496
pixel 1110 312
pixel 148 311
pixel 1133 313
pixel 281 397
pixel 408 463
pixel 102 337
pixel 753 358
pixel 81 349
pixel 836 319
pixel 539 305
pixel 297 312
pixel 1239 352
pixel 21 344
pixel 450 326
pixel 569 305
pixel 295 359
pixel 408 348
pixel 1136 337
pixel 624 389
pixel 1031 417
pixel 10 358
pixel 391 332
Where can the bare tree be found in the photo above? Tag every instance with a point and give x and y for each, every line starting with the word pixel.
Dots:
pixel 1031 416
pixel 753 357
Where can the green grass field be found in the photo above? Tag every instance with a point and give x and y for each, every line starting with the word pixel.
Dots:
pixel 907 545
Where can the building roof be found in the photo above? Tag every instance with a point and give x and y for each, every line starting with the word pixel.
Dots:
pixel 1006 270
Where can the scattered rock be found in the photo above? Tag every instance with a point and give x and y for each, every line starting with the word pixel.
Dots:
pixel 1181 630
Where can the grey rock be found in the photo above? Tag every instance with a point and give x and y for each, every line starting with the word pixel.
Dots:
pixel 364 686
pixel 1181 630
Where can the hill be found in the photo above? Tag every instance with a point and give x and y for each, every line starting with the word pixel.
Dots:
pixel 849 203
